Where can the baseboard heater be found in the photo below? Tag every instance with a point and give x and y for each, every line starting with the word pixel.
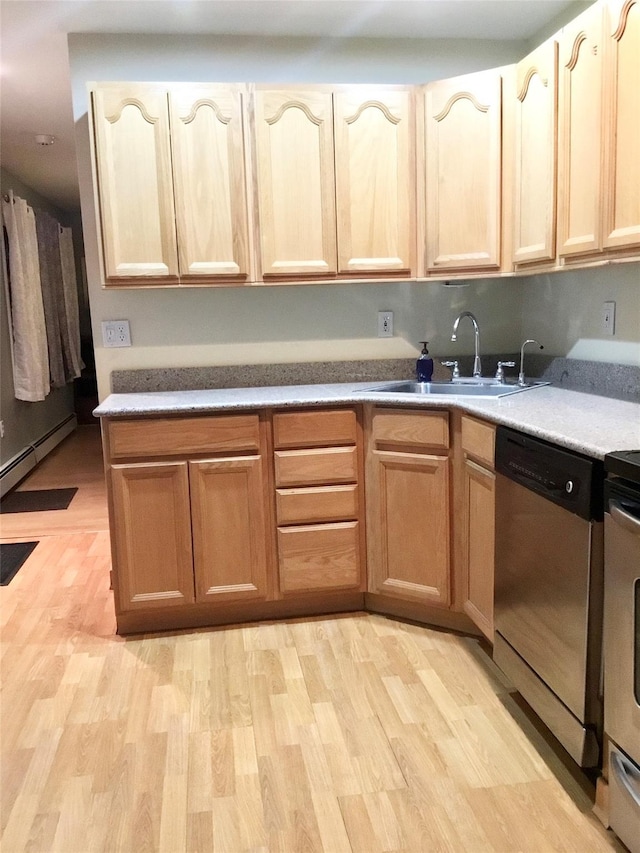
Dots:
pixel 19 466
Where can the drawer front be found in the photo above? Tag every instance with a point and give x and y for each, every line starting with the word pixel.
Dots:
pixel 314 429
pixel 316 467
pixel 478 439
pixel 319 557
pixel 183 436
pixel 411 429
pixel 316 504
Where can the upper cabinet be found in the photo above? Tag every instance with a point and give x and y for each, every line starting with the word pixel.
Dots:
pixel 296 182
pixel 580 129
pixel 131 123
pixel 622 125
pixel 207 138
pixel 535 114
pixel 375 180
pixel 352 218
pixel 463 172
pixel 171 182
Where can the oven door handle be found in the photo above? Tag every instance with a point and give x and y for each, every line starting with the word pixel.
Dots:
pixel 624 518
pixel 628 776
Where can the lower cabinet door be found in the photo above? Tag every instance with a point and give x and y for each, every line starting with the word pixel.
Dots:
pixel 152 524
pixel 319 557
pixel 408 527
pixel 479 519
pixel 229 529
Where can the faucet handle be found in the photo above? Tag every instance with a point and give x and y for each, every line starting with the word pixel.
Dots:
pixel 499 377
pixel 456 370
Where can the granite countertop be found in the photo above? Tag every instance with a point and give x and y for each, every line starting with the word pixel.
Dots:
pixel 582 422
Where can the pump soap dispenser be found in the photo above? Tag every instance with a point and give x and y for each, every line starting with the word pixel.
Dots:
pixel 424 364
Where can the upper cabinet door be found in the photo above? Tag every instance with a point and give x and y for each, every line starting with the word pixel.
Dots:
pixel 375 179
pixel 580 134
pixel 463 150
pixel 295 180
pixel 207 137
pixel 134 178
pixel 622 125
pixel 536 111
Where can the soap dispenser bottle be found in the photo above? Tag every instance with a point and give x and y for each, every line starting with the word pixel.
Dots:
pixel 424 364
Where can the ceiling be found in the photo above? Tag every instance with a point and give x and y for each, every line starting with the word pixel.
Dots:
pixel 34 68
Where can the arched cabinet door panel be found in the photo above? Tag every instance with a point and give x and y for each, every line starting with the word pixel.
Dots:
pixel 536 113
pixel 622 125
pixel 580 135
pixel 295 182
pixel 375 179
pixel 131 123
pixel 463 172
pixel 207 138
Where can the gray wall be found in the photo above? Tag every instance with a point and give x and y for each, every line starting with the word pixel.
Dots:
pixel 25 423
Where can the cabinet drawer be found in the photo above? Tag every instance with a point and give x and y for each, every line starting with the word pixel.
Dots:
pixel 478 439
pixel 183 436
pixel 411 429
pixel 317 557
pixel 314 429
pixel 315 504
pixel 316 467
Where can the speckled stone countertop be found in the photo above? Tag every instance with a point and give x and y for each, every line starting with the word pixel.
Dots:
pixel 582 422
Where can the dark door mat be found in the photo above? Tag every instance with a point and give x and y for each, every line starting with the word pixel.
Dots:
pixel 37 500
pixel 12 556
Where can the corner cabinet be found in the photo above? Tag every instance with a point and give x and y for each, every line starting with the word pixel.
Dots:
pixel 189 527
pixel 463 173
pixel 408 512
pixel 171 181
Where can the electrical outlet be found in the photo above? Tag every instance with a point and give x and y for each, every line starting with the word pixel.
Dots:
pixel 116 333
pixel 385 324
pixel 608 317
pixel 1 429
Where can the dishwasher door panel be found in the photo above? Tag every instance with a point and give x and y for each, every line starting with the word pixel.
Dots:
pixel 543 555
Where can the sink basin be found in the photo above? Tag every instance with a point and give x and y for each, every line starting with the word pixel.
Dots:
pixel 466 388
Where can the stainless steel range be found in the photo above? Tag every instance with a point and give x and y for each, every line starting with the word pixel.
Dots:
pixel 622 643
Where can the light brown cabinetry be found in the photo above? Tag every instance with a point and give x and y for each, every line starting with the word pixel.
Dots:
pixel 475 511
pixel 408 505
pixel 190 528
pixel 335 181
pixel 621 211
pixel 535 106
pixel 320 534
pixel 579 134
pixel 463 172
pixel 131 125
pixel 375 179
pixel 171 182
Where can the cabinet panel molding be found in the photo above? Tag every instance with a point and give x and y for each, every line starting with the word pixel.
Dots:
pixel 207 138
pixel 131 124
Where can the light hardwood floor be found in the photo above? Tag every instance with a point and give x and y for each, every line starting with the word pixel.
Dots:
pixel 357 733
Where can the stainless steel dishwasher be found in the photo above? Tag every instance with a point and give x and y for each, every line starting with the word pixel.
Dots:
pixel 549 585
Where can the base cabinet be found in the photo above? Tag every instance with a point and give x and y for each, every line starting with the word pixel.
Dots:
pixel 476 513
pixel 408 505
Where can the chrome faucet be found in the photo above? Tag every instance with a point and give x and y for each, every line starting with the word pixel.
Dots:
pixel 521 379
pixel 477 369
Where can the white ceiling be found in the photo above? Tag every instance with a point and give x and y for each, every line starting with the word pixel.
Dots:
pixel 34 64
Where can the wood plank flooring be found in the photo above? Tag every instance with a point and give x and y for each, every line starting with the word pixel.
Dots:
pixel 347 734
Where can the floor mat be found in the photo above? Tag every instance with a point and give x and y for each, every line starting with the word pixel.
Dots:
pixel 12 556
pixel 37 500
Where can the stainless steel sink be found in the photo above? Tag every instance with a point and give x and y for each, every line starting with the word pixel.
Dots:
pixel 465 388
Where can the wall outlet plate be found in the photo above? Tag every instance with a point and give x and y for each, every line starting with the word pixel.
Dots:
pixel 385 324
pixel 608 318
pixel 116 333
